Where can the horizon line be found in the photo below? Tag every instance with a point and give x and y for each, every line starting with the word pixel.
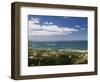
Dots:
pixel 58 41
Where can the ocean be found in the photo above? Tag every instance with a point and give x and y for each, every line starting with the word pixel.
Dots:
pixel 74 45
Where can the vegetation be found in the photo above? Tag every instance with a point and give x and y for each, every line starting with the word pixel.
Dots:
pixel 45 57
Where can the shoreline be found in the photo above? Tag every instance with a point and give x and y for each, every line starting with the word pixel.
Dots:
pixel 72 50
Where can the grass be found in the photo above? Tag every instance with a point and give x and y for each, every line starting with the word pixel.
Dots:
pixel 45 57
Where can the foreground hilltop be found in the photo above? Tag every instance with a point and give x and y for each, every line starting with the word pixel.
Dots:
pixel 45 57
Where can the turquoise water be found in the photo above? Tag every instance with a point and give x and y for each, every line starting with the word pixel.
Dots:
pixel 76 45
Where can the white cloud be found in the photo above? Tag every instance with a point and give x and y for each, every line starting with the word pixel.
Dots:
pixel 49 29
pixel 82 29
pixel 44 32
pixel 35 20
pixel 48 23
pixel 77 26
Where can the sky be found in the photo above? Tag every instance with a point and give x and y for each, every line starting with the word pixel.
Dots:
pixel 57 28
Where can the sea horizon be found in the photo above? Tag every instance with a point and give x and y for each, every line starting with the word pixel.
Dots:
pixel 72 45
pixel 56 41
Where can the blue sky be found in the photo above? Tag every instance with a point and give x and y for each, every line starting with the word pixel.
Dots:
pixel 57 28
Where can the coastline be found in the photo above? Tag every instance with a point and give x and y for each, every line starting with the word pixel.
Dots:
pixel 43 57
pixel 72 50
